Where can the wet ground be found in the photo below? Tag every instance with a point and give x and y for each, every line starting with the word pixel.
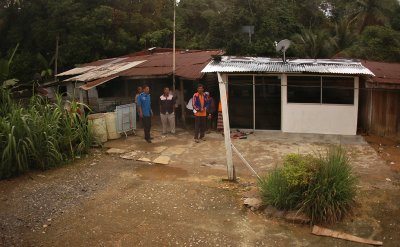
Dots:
pixel 105 200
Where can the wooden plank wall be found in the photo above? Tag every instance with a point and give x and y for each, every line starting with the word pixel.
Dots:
pixel 385 114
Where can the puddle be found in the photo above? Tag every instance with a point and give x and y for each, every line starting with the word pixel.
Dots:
pixel 161 172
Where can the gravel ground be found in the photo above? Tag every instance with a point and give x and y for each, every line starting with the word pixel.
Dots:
pixel 103 200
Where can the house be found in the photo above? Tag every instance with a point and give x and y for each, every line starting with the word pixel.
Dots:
pixel 380 100
pixel 299 96
pixel 103 84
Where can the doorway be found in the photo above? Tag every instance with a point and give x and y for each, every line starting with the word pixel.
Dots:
pixel 254 102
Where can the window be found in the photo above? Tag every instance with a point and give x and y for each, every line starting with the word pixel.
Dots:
pixel 337 90
pixel 62 90
pixel 320 90
pixel 304 89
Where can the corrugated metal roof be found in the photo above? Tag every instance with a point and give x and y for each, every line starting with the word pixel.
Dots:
pixel 385 73
pixel 106 70
pixel 144 64
pixel 97 82
pixel 77 71
pixel 272 65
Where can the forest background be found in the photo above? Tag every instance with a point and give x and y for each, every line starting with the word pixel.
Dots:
pixel 88 30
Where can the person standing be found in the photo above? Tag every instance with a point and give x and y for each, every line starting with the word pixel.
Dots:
pixel 139 90
pixel 145 112
pixel 210 113
pixel 167 111
pixel 200 105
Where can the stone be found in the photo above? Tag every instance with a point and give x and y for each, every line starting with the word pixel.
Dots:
pixel 162 160
pixel 296 217
pixel 129 156
pixel 144 159
pixel 253 203
pixel 115 151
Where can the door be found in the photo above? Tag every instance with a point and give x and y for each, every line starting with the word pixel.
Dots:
pixel 268 102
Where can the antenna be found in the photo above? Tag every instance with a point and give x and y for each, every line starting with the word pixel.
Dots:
pixel 282 46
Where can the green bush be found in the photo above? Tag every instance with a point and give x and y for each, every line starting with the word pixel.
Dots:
pixel 275 190
pixel 40 135
pixel 330 195
pixel 298 169
pixel 322 187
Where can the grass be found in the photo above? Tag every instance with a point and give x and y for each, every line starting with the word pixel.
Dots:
pixel 322 187
pixel 330 196
pixel 40 135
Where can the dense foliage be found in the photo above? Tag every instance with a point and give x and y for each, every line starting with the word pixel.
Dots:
pixel 321 187
pixel 89 30
pixel 40 135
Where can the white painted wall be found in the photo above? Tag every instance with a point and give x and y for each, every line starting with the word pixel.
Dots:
pixel 319 118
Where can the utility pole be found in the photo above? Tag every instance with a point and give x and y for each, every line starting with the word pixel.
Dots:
pixel 56 58
pixel 173 51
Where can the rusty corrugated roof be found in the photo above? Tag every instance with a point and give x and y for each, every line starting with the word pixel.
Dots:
pixel 158 63
pixel 385 73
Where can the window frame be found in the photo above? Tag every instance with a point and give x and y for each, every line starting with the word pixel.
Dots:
pixel 321 89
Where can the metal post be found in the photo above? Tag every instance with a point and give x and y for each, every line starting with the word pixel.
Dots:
pixel 81 99
pixel 370 109
pixel 254 103
pixel 174 51
pixel 283 100
pixel 222 79
pixel 182 102
pixel 245 161
pixel 56 58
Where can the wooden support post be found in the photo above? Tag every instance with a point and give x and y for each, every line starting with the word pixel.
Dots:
pixel 81 99
pixel 183 107
pixel 222 79
pixel 254 104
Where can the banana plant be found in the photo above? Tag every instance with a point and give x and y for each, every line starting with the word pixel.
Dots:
pixel 5 65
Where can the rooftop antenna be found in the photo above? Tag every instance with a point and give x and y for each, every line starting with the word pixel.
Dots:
pixel 282 46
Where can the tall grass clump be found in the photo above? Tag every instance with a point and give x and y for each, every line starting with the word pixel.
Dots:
pixel 322 187
pixel 330 195
pixel 39 135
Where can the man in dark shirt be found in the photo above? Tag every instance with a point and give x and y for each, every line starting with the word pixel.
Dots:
pixel 145 112
pixel 167 111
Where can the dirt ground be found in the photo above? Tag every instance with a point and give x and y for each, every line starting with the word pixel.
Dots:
pixel 105 200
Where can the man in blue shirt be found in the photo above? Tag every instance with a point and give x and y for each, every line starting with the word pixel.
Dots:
pixel 145 112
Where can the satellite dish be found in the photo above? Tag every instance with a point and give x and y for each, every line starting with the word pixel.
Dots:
pixel 282 46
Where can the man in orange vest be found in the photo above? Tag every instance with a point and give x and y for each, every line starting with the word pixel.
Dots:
pixel 200 104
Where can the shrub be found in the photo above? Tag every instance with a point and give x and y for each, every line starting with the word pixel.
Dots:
pixel 321 187
pixel 298 169
pixel 330 195
pixel 275 190
pixel 40 135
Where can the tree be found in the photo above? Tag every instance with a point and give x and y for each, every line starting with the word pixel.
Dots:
pixel 377 43
pixel 374 12
pixel 344 34
pixel 5 65
pixel 314 44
